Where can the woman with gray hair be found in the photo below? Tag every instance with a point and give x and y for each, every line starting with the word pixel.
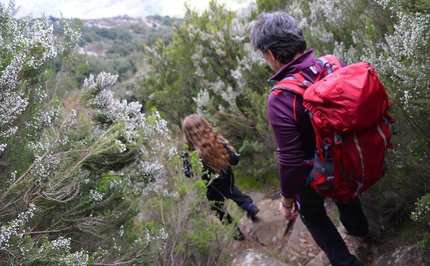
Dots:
pixel 283 47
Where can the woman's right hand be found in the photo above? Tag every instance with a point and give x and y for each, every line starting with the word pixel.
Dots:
pixel 287 212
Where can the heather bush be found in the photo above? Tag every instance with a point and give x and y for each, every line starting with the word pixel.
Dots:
pixel 421 214
pixel 71 176
pixel 196 236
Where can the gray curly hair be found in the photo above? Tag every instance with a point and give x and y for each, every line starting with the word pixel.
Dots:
pixel 280 33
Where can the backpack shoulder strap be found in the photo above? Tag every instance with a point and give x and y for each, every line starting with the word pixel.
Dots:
pixel 290 83
pixel 295 84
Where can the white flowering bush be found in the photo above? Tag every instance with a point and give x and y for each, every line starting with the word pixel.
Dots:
pixel 421 214
pixel 72 174
pixel 88 180
pixel 195 235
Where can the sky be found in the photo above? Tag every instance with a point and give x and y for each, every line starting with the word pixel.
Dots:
pixel 91 9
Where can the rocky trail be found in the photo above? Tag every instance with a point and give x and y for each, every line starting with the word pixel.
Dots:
pixel 270 239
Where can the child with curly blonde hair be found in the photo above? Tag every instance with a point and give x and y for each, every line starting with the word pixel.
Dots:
pixel 217 155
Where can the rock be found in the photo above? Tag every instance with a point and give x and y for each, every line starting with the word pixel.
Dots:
pixel 404 256
pixel 301 249
pixel 320 260
pixel 268 227
pixel 253 258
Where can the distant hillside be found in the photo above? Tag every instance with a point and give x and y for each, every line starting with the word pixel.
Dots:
pixel 117 45
pixel 113 22
pixel 103 36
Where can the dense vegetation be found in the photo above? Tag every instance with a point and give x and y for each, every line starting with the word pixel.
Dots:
pixel 92 179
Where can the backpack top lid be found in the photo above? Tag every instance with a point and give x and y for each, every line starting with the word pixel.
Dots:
pixel 350 99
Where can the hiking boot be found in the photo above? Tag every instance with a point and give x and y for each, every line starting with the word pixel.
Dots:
pixel 238 235
pixel 252 211
pixel 366 239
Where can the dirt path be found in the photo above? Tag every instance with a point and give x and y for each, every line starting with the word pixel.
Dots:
pixel 290 242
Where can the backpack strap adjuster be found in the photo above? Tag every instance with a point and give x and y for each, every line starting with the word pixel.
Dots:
pixel 328 68
pixel 338 140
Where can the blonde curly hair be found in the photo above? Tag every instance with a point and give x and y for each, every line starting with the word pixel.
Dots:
pixel 202 137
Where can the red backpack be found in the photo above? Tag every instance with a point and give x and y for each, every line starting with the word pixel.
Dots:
pixel 348 110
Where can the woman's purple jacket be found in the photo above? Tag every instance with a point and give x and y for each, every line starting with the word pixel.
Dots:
pixel 296 141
